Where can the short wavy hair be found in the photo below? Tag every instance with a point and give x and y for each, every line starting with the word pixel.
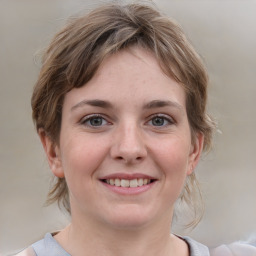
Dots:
pixel 77 51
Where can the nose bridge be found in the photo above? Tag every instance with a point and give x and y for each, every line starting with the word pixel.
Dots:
pixel 128 144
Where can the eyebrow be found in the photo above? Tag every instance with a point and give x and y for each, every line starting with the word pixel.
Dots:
pixel 162 103
pixel 94 103
pixel 150 105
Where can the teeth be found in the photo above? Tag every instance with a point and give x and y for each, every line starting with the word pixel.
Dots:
pixel 125 183
pixel 117 182
pixel 128 183
pixel 145 181
pixel 140 182
pixel 133 183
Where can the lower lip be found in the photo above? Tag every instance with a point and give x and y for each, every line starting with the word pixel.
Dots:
pixel 129 191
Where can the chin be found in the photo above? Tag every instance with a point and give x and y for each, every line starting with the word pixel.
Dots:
pixel 129 224
pixel 131 218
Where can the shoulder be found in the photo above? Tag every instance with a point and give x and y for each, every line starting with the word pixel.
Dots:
pixel 27 252
pixel 196 248
pixel 48 246
pixel 234 249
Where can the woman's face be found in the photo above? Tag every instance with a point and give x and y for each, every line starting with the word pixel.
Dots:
pixel 125 143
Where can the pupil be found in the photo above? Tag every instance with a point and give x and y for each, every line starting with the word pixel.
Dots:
pixel 96 121
pixel 158 121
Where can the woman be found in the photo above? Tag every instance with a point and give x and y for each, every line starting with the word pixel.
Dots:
pixel 120 108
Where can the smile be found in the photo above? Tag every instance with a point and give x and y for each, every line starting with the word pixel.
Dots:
pixel 125 183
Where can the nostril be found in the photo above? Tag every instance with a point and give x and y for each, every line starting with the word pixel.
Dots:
pixel 128 153
pixel 128 160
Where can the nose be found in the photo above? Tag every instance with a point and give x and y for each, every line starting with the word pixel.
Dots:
pixel 128 145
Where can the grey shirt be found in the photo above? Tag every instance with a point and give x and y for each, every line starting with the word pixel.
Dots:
pixel 50 247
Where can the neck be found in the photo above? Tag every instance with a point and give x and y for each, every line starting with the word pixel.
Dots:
pixel 88 237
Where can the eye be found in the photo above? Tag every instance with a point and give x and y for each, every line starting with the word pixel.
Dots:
pixel 94 121
pixel 161 120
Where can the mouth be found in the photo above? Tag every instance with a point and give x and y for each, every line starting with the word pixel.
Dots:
pixel 128 183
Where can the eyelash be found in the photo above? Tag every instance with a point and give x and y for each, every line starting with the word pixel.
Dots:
pixel 90 118
pixel 167 118
pixel 103 119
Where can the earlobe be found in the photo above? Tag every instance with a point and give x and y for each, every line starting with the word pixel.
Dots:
pixel 53 154
pixel 195 152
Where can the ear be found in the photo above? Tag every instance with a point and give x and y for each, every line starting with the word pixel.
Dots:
pixel 195 152
pixel 53 154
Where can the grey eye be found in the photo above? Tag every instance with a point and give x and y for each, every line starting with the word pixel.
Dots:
pixel 158 121
pixel 96 121
pixel 161 120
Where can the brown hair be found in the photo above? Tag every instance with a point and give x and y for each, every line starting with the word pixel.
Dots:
pixel 77 51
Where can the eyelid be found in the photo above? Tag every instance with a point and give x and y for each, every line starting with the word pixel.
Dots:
pixel 170 119
pixel 90 116
pixel 86 118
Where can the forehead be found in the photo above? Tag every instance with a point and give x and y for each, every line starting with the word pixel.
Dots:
pixel 130 75
pixel 135 61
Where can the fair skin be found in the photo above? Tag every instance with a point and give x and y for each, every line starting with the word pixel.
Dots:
pixel 129 122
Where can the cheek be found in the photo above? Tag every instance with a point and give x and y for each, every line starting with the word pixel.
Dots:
pixel 80 158
pixel 173 157
pixel 173 154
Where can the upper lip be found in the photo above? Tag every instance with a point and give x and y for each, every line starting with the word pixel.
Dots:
pixel 127 176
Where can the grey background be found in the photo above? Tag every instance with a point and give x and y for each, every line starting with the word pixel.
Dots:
pixel 224 33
